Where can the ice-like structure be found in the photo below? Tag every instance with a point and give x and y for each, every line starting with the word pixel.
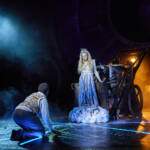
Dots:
pixel 89 114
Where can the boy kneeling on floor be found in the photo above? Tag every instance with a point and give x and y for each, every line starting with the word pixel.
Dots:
pixel 27 115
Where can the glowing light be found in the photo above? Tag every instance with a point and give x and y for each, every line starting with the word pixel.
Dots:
pixel 29 141
pixel 133 60
pixel 111 128
pixel 147 88
pixel 8 31
pixel 126 130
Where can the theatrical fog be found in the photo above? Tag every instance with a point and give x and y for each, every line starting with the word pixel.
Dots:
pixel 74 74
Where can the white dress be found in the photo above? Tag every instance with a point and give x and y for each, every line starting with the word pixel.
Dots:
pixel 87 90
pixel 89 110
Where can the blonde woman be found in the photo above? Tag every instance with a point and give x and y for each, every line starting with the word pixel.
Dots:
pixel 87 70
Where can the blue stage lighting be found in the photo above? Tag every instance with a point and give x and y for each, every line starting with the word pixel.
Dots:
pixel 29 141
pixel 126 130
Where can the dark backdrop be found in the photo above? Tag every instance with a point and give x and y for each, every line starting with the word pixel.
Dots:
pixel 40 41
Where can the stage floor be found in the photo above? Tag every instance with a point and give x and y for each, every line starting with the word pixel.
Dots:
pixel 121 134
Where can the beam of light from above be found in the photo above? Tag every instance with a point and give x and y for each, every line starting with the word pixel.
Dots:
pixel 8 31
pixel 29 141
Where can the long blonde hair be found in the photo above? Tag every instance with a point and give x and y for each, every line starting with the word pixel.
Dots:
pixel 80 63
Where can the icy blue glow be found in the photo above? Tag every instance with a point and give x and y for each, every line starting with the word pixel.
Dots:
pixel 8 31
pixel 89 114
pixel 29 141
pixel 22 43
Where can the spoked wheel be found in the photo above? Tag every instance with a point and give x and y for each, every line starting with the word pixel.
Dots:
pixel 135 101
